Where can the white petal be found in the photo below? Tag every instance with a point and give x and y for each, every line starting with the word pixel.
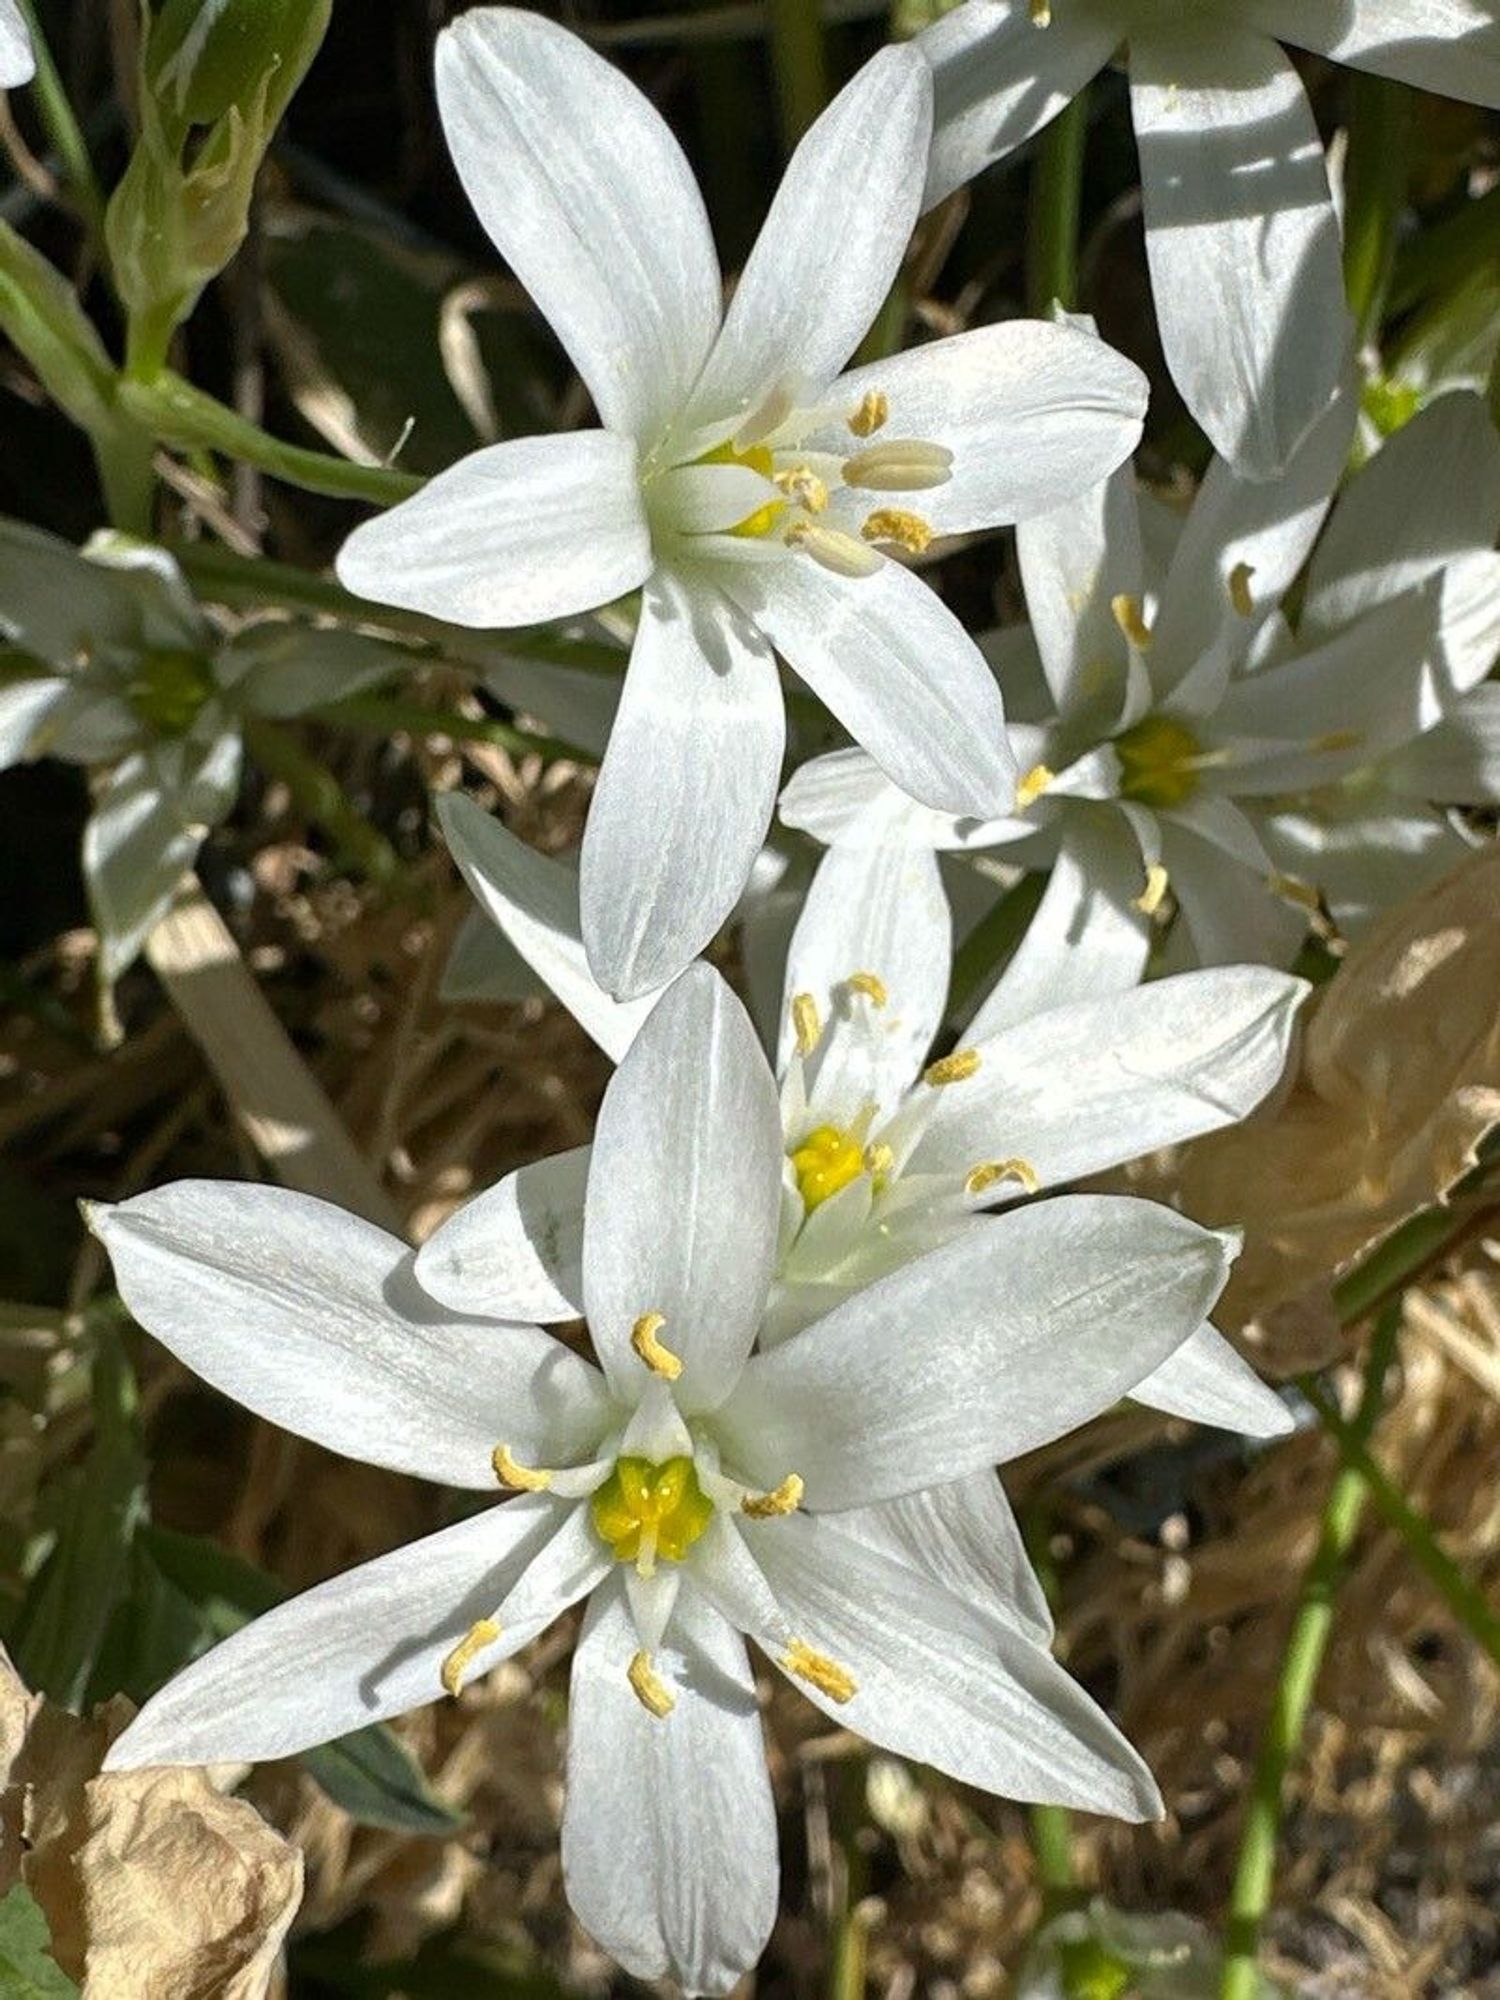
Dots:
pixel 964 1537
pixel 686 791
pixel 1075 561
pixel 684 1193
pixel 1241 238
pixel 832 243
pixel 1086 938
pixel 1459 761
pixel 845 799
pixel 356 1649
pixel 534 900
pixel 1430 494
pixel 1208 1383
pixel 1092 1084
pixel 880 910
pixel 25 709
pixel 897 669
pixel 309 1317
pixel 57 605
pixel 1231 915
pixel 939 1683
pixel 588 198
pixel 17 64
pixel 997 79
pixel 1366 859
pixel 531 529
pixel 281 669
pixel 669 1831
pixel 1448 46
pixel 1017 1332
pixel 515 1251
pixel 1033 413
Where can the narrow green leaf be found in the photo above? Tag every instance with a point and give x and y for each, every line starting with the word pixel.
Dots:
pixel 27 1969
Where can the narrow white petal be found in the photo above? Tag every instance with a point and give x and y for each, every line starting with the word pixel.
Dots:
pixel 57 605
pixel 281 669
pixel 1458 762
pixel 897 669
pixel 17 64
pixel 1241 237
pixel 684 1193
pixel 938 1682
pixel 1230 913
pixel 1208 1383
pixel 1033 413
pixel 356 1649
pixel 1364 861
pixel 25 710
pixel 309 1316
pixel 832 243
pixel 515 1251
pixel 1075 562
pixel 669 1831
pixel 1448 46
pixel 845 799
pixel 686 791
pixel 531 529
pixel 1019 1331
pixel 997 79
pixel 587 196
pixel 534 900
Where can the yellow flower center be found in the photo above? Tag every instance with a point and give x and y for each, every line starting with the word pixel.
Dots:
pixel 759 458
pixel 1158 763
pixel 644 1510
pixel 168 689
pixel 828 1159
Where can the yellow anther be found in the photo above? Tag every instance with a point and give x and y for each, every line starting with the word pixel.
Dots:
pixel 1239 589
pixel 879 1159
pixel 802 486
pixel 826 1161
pixel 1291 890
pixel 826 1675
pixel 895 524
pixel 989 1173
pixel 523 1478
pixel 648 1687
pixel 1032 785
pixel 786 1499
pixel 832 549
pixel 1154 894
pixel 458 1662
pixel 870 984
pixel 1338 739
pixel 806 1022
pixel 899 465
pixel 1131 620
pixel 874 410
pixel 952 1069
pixel 660 1360
pixel 1041 13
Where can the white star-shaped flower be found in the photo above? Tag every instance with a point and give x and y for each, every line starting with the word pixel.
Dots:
pixel 1241 233
pixel 1258 751
pixel 689 1489
pixel 755 493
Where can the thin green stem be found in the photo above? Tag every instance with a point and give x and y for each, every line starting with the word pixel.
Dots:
pixel 388 716
pixel 799 57
pixel 181 415
pixel 1056 206
pixel 64 135
pixel 319 794
pixel 1256 1866
pixel 1052 1842
pixel 1380 115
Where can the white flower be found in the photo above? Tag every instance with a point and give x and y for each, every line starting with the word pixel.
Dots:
pixel 124 669
pixel 17 63
pixel 1204 744
pixel 690 1490
pixel 750 489
pixel 1241 234
pixel 1062 1072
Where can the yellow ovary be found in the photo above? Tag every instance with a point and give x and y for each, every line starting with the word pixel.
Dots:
pixel 645 1510
pixel 758 458
pixel 1159 763
pixel 826 1160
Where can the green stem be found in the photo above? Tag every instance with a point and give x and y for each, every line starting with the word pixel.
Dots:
pixel 125 456
pixel 1463 1598
pixel 1256 1866
pixel 1380 114
pixel 1052 1841
pixel 319 794
pixel 388 715
pixel 799 57
pixel 1056 206
pixel 64 134
pixel 179 414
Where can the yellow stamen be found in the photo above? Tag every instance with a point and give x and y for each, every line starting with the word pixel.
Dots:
pixel 786 1499
pixel 1291 890
pixel 827 1160
pixel 1154 894
pixel 833 549
pixel 458 1662
pixel 1032 785
pixel 1338 739
pixel 989 1172
pixel 1041 13
pixel 952 1069
pixel 899 465
pixel 648 1687
pixel 803 486
pixel 807 1022
pixel 1131 621
pixel 826 1675
pixel 522 1478
pixel 660 1360
pixel 874 410
pixel 879 1159
pixel 1239 589
pixel 870 984
pixel 894 524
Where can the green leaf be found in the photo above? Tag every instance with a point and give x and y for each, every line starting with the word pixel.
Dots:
pixel 41 313
pixel 27 1969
